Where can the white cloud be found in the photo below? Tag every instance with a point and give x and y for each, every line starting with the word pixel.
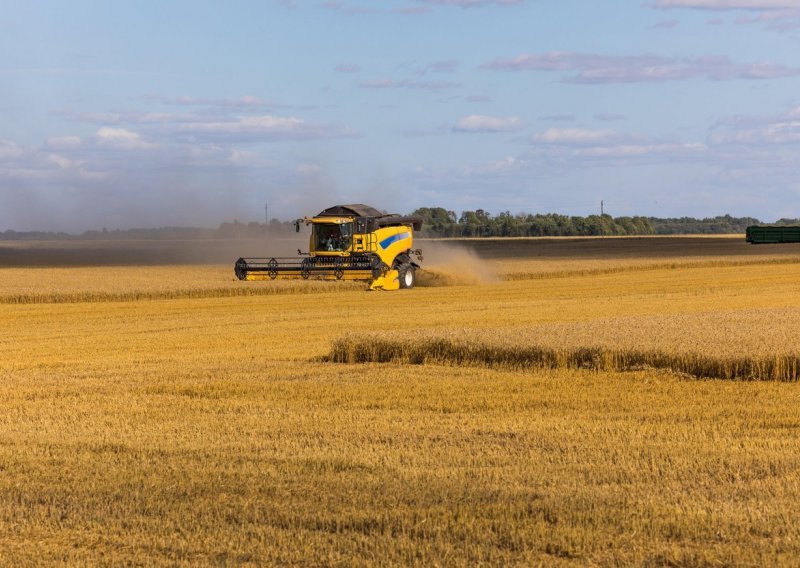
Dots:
pixel 266 123
pixel 42 165
pixel 241 157
pixel 61 161
pixel 507 164
pixel 121 139
pixel 237 104
pixel 64 142
pixel 594 147
pixel 10 150
pixel 264 128
pixel 639 150
pixel 574 136
pixel 481 123
pixel 758 132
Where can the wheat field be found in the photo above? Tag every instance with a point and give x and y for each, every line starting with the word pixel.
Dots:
pixel 156 414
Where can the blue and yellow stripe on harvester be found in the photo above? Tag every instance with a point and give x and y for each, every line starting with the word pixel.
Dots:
pixel 388 241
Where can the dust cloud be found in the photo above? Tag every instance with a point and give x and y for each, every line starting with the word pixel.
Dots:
pixel 450 264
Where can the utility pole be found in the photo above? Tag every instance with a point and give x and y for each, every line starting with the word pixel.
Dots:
pixel 602 225
pixel 266 213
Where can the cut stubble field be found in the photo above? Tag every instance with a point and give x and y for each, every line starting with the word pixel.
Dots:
pixel 151 418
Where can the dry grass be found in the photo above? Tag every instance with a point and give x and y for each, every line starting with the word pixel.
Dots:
pixel 206 431
pixel 458 352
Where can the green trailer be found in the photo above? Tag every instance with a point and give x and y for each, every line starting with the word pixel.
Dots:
pixel 757 234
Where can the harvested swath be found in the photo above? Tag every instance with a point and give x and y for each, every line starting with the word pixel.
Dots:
pixel 371 348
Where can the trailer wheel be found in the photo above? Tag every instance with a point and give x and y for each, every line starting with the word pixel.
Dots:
pixel 408 276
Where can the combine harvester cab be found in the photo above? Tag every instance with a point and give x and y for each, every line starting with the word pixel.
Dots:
pixel 348 242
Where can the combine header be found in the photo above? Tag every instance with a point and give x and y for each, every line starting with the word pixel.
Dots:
pixel 348 242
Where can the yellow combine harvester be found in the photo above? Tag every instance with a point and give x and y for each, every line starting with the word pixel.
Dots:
pixel 348 242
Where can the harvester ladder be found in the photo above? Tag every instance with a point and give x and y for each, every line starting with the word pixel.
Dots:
pixel 370 242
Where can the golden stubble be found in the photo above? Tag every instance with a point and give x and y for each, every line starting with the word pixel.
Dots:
pixel 209 431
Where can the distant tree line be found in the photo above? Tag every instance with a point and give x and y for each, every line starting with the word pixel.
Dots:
pixel 440 222
pixel 227 230
pixel 710 225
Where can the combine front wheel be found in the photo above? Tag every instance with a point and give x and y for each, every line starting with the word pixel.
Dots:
pixel 408 276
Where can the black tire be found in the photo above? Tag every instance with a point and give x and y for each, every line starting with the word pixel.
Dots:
pixel 240 269
pixel 408 276
pixel 305 268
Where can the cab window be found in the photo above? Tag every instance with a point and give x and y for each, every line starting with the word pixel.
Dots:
pixel 332 237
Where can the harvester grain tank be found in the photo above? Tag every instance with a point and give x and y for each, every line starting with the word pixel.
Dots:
pixel 348 242
pixel 772 234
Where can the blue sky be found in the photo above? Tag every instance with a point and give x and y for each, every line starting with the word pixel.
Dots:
pixel 143 114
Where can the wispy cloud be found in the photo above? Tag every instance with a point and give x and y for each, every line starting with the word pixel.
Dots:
pixel 348 68
pixel 417 8
pixel 782 129
pixel 44 165
pixel 64 142
pixel 347 8
pixel 444 66
pixel 407 84
pixel 728 4
pixel 243 103
pixel 477 123
pixel 598 69
pixel 610 116
pixel 664 25
pixel 264 128
pixel 131 117
pixel 779 15
pixel 473 3
pixel 10 150
pixel 557 118
pixel 575 136
pixel 123 139
pixel 591 147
